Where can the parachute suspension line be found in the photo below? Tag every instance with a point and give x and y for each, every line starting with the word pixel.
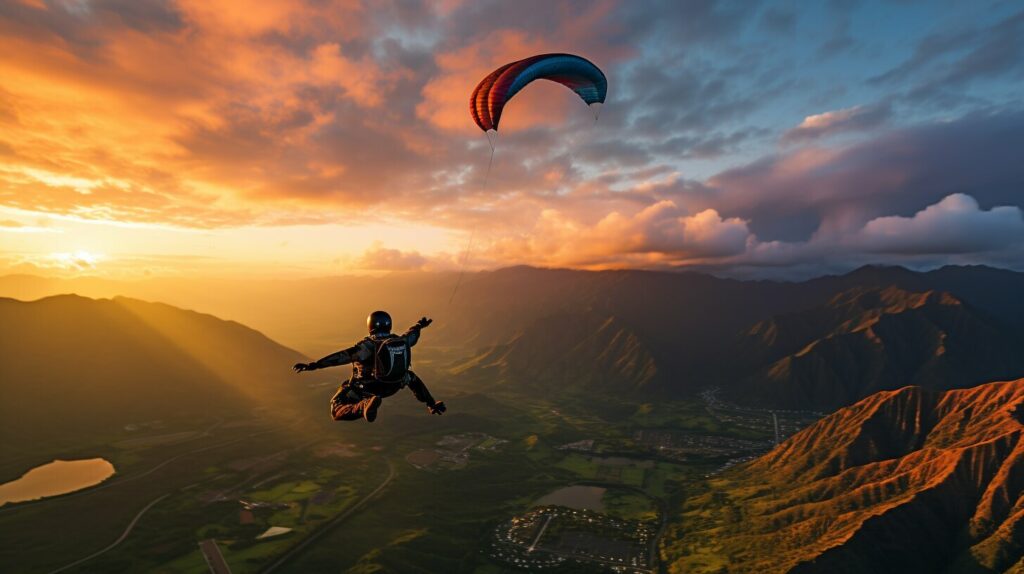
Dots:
pixel 462 264
pixel 472 231
pixel 489 140
pixel 490 161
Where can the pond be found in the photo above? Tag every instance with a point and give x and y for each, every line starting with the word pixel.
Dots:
pixel 54 478
pixel 579 497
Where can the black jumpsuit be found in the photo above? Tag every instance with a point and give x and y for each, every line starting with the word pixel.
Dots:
pixel 354 395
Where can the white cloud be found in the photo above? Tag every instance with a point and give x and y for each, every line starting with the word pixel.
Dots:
pixel 952 226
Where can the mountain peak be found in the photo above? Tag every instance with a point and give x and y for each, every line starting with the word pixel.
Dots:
pixel 937 471
pixel 113 361
pixel 868 339
pixel 891 299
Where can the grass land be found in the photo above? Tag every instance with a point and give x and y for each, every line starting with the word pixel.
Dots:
pixel 425 520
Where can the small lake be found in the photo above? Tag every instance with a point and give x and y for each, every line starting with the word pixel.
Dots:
pixel 54 478
pixel 578 497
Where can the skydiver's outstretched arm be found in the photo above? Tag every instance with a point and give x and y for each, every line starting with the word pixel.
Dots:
pixel 413 334
pixel 358 352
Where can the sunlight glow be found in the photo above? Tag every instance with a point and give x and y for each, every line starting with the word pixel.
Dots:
pixel 78 261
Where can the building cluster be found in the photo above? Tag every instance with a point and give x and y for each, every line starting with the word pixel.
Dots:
pixel 549 536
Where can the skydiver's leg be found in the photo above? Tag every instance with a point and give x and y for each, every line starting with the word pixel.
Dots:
pixel 348 404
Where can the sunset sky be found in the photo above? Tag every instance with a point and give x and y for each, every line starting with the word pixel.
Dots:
pixel 282 137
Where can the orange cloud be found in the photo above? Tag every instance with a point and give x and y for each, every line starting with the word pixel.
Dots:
pixel 184 115
pixel 209 113
pixel 659 234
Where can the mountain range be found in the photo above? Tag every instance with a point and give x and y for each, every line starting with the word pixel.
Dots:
pixel 906 481
pixel 866 340
pixel 817 344
pixel 72 366
pixel 592 351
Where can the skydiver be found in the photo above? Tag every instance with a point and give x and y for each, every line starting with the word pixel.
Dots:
pixel 380 368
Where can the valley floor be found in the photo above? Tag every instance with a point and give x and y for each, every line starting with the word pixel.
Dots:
pixel 410 493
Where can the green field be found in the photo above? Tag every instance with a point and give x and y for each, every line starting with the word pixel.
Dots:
pixel 423 521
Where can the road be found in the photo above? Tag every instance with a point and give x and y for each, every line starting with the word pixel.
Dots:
pixel 316 534
pixel 211 552
pixel 120 539
pixel 138 516
pixel 539 534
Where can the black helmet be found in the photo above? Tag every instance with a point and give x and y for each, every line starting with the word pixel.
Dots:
pixel 379 323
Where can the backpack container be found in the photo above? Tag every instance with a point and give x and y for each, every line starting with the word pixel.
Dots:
pixel 392 359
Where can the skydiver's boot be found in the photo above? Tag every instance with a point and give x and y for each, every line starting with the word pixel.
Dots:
pixel 370 407
pixel 346 404
pixel 346 412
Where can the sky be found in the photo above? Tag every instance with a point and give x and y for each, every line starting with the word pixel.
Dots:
pixel 304 138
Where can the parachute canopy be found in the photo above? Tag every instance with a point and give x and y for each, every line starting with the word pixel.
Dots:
pixel 493 92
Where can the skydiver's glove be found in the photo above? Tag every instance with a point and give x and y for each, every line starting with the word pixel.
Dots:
pixel 423 322
pixel 437 408
pixel 299 367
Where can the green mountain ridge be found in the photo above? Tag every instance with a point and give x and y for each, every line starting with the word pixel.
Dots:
pixel 867 340
pixel 72 366
pixel 599 352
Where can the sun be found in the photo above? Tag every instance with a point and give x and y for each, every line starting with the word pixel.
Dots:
pixel 79 260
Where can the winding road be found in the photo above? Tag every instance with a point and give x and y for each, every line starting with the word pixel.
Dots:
pixel 130 478
pixel 120 539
